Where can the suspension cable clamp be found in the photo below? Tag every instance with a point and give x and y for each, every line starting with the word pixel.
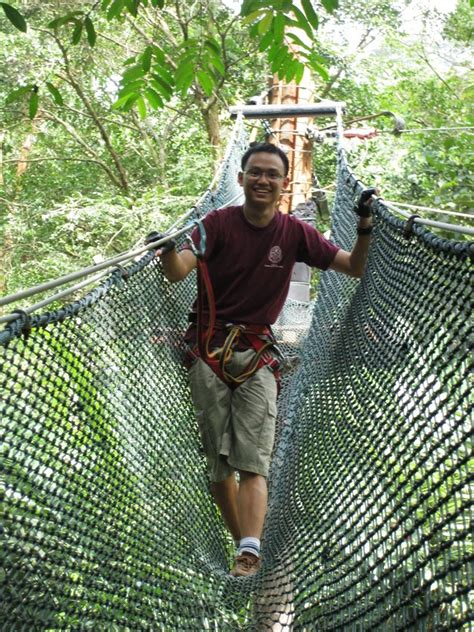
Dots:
pixel 408 228
pixel 123 271
pixel 26 324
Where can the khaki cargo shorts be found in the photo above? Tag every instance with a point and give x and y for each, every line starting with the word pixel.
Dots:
pixel 237 426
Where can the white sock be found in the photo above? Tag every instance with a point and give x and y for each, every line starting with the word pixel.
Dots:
pixel 249 545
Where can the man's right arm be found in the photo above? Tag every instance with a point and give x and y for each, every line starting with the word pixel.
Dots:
pixel 177 265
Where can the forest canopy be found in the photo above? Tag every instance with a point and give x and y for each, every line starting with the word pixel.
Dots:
pixel 115 113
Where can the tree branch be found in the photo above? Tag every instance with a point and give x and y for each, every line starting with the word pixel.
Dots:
pixel 122 178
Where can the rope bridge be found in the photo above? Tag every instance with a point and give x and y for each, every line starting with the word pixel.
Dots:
pixel 108 522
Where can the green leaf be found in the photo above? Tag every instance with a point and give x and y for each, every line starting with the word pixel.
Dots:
pixel 158 54
pixel 64 19
pixel 273 51
pixel 291 70
pixel 141 106
pixel 146 58
pixel 278 27
pixel 132 6
pixel 132 73
pixel 310 13
pixel 166 86
pixel 55 93
pixel 153 98
pixel 299 41
pixel 321 70
pixel 330 5
pixel 302 21
pixel 33 105
pixel 17 94
pixel 164 73
pixel 90 30
pixel 124 101
pixel 15 17
pixel 158 3
pixel 115 9
pixel 218 64
pixel 77 33
pixel 134 87
pixel 265 41
pixel 206 82
pixel 279 58
pixel 213 56
pixel 299 72
pixel 183 83
pixel 185 68
pixel 249 6
pixel 251 17
pixel 265 23
pixel 212 45
pixel 158 86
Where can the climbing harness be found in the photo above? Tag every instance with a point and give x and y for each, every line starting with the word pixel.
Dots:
pixel 240 336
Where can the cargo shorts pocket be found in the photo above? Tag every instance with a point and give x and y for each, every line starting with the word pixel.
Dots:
pixel 267 434
pixel 211 400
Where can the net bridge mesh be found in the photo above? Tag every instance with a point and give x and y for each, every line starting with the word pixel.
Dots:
pixel 108 522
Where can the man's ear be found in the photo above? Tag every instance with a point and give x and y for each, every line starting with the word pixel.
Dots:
pixel 286 182
pixel 240 178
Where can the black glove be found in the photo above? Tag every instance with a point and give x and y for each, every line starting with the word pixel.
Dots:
pixel 168 246
pixel 362 208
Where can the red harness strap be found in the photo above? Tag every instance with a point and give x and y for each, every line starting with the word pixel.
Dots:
pixel 257 337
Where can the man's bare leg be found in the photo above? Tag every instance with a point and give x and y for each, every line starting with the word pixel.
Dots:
pixel 225 494
pixel 252 504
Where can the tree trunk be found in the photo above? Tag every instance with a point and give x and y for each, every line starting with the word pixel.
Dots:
pixel 30 139
pixel 2 138
pixel 213 126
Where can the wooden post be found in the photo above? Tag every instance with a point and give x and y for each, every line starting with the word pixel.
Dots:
pixel 290 133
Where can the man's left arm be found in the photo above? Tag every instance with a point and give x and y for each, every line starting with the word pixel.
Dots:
pixel 353 263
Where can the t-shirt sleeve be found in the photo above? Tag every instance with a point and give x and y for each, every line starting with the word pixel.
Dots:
pixel 314 249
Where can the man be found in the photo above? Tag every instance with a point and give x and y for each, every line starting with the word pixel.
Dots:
pixel 249 254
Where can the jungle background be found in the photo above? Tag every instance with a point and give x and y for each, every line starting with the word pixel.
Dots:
pixel 114 114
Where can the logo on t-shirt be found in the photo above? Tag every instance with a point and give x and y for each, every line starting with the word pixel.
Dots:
pixel 275 255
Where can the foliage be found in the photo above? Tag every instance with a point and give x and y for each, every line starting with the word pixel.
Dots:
pixel 167 65
pixel 427 81
pixel 84 176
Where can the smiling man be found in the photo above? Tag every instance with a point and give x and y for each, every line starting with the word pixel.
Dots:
pixel 233 368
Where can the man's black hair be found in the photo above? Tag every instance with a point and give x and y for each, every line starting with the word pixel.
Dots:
pixel 268 148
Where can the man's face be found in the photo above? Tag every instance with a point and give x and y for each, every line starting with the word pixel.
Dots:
pixel 263 180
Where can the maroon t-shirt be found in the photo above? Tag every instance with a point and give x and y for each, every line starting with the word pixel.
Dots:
pixel 250 267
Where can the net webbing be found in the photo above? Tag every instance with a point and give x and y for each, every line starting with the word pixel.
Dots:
pixel 108 522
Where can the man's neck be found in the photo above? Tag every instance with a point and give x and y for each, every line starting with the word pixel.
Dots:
pixel 259 216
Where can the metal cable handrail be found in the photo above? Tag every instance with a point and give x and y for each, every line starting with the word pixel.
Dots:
pixel 109 263
pixel 441 211
pixel 105 266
